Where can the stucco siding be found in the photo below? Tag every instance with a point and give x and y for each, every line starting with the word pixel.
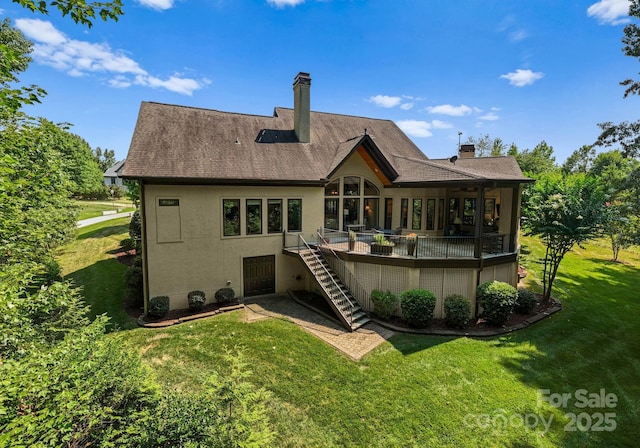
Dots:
pixel 202 258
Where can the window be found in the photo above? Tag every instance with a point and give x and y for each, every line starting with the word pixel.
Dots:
pixel 332 188
pixel 254 216
pixel 431 214
pixel 469 213
pixel 231 211
pixel 331 213
pixel 404 212
pixel 274 215
pixel 440 214
pixel 416 217
pixel 351 186
pixel 370 189
pixel 294 215
pixel 370 213
pixel 388 213
pixel 350 212
pixel 169 202
pixel 489 211
pixel 454 210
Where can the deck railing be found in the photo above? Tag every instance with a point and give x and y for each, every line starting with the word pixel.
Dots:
pixel 422 247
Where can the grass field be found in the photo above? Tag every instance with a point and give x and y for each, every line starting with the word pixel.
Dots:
pixel 417 390
pixel 91 209
pixel 89 262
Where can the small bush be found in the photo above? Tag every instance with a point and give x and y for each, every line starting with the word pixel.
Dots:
pixel 457 311
pixel 128 244
pixel 134 286
pixel 196 300
pixel 526 301
pixel 497 300
pixel 417 306
pixel 158 307
pixel 383 303
pixel 225 295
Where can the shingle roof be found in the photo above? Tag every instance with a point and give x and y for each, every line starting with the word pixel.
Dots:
pixel 190 143
pixel 113 171
pixel 186 143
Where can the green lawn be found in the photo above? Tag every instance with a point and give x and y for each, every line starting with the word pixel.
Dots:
pixel 418 390
pixel 89 262
pixel 91 209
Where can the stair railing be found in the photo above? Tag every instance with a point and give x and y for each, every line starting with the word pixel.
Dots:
pixel 328 274
pixel 347 277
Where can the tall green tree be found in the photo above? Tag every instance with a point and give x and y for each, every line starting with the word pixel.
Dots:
pixel 580 160
pixel 537 160
pixel 563 211
pixel 80 11
pixel 84 172
pixel 104 158
pixel 14 59
pixel 487 146
pixel 616 174
pixel 627 133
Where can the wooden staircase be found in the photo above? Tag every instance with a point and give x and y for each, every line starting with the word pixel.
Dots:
pixel 341 300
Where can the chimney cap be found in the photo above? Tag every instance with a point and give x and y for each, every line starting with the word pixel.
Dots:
pixel 302 78
pixel 468 147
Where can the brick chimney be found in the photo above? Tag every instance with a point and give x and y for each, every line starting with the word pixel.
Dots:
pixel 302 107
pixel 467 151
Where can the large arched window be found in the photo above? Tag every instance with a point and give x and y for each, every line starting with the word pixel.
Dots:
pixel 351 200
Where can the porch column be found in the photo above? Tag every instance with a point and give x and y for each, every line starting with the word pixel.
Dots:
pixel 477 252
pixel 515 218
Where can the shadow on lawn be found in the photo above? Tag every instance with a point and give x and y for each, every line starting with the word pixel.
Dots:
pixel 102 286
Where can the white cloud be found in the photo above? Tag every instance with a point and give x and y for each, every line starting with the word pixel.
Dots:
pixel 159 5
pixel 448 109
pixel 613 12
pixel 491 116
pixel 406 106
pixel 184 86
pixel 385 101
pixel 283 3
pixel 415 128
pixel 521 78
pixel 518 35
pixel 41 31
pixel 79 58
pixel 437 124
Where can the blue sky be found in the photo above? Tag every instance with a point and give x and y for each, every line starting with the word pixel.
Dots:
pixel 523 71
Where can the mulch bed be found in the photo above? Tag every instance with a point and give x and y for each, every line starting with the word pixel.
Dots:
pixel 477 326
pixel 183 315
pixel 125 257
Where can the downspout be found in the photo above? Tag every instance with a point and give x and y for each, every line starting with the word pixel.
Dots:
pixel 145 262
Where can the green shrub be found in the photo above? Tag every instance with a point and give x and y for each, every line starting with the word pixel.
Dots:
pixel 84 391
pixel 497 300
pixel 383 303
pixel 128 244
pixel 135 230
pixel 230 411
pixel 158 307
pixel 417 306
pixel 196 300
pixel 133 282
pixel 457 311
pixel 225 295
pixel 526 301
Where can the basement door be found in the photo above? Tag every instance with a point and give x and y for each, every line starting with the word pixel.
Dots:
pixel 259 275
